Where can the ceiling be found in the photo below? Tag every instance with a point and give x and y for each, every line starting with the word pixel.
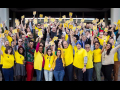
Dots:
pixel 60 9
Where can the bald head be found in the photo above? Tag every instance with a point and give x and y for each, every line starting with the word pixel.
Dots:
pixel 65 44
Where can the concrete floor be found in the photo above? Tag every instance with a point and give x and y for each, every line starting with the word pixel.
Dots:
pixel 34 78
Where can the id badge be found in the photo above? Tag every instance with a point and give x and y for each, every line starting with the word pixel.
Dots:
pixel 49 65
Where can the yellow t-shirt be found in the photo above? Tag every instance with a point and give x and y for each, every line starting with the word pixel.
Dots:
pixel 9 39
pixel 90 60
pixel 3 50
pixel 102 40
pixel 37 29
pixel 68 55
pixel 79 57
pixel 19 58
pixel 8 61
pixel 38 59
pixel 115 55
pixel 97 55
pixel 48 62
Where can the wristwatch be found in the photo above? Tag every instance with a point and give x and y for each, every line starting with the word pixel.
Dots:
pixel 84 65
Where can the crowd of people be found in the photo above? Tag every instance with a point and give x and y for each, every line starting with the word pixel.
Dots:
pixel 55 51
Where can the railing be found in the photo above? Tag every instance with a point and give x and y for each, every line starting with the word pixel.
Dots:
pixel 74 19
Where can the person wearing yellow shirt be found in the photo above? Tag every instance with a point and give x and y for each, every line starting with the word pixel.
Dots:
pixel 80 59
pixel 97 53
pixel 20 64
pixel 38 61
pixel 39 28
pixel 103 37
pixel 49 57
pixel 68 57
pixel 3 48
pixel 89 66
pixel 8 63
pixel 59 64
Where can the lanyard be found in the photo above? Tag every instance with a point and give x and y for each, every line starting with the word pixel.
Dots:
pixel 49 59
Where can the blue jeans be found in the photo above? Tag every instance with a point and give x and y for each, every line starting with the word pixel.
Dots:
pixel 42 72
pixel 59 75
pixel 88 74
pixel 48 75
pixel 69 73
pixel 38 73
pixel 8 74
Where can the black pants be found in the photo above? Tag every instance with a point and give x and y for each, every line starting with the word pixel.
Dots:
pixel 79 74
pixel 69 73
pixel 107 71
pixel 2 73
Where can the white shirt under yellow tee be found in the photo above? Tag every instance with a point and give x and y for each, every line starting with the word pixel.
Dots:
pixel 89 64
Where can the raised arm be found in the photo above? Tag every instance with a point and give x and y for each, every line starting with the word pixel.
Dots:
pixel 72 41
pixel 30 25
pixel 104 45
pixel 14 38
pixel 1 53
pixel 114 50
pixel 48 36
pixel 92 39
pixel 46 45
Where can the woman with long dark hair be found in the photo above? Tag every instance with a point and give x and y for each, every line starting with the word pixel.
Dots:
pixel 8 63
pixel 108 60
pixel 59 64
pixel 20 64
pixel 48 72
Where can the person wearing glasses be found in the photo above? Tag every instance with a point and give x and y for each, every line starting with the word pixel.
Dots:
pixel 49 57
pixel 100 38
pixel 20 43
pixel 80 59
pixel 39 61
pixel 89 66
pixel 29 54
pixel 97 60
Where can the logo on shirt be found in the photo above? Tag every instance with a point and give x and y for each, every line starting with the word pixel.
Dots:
pixel 20 57
pixel 8 56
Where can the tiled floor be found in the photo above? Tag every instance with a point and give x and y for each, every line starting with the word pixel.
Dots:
pixel 34 79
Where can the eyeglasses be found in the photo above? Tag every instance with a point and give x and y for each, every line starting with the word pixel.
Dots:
pixel 20 41
pixel 87 47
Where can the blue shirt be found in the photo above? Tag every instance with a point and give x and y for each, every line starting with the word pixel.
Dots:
pixel 59 65
pixel 83 44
